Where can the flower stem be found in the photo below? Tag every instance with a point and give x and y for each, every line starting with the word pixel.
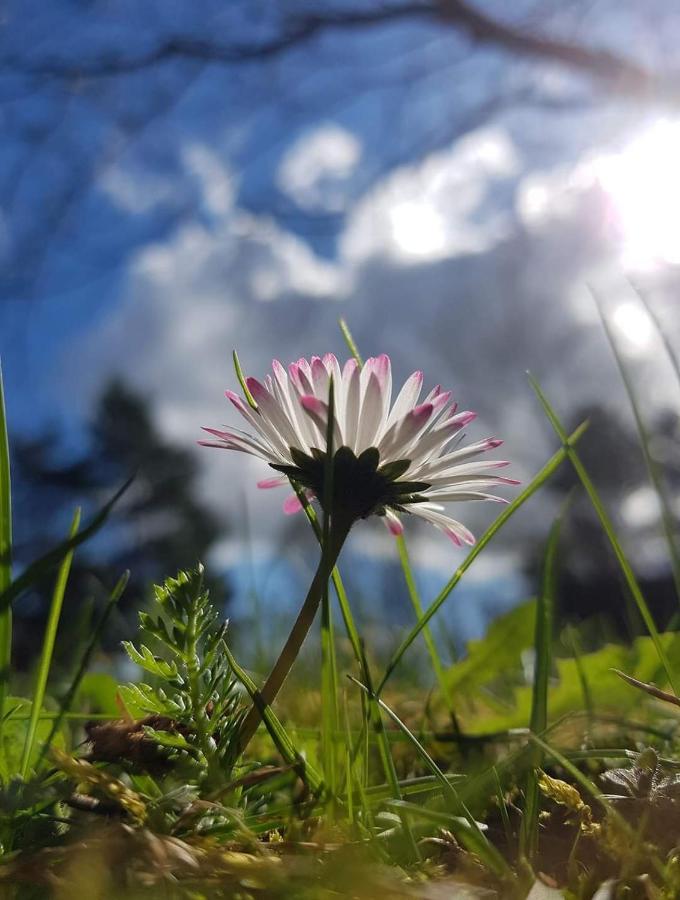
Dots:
pixel 329 556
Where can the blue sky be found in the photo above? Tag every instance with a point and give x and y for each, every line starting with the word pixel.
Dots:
pixel 446 197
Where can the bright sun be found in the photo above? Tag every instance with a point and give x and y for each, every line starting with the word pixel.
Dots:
pixel 643 184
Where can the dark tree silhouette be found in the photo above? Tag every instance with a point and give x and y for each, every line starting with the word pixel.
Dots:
pixel 590 582
pixel 159 526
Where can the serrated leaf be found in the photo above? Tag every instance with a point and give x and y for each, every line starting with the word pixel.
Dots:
pixel 150 663
pixel 141 699
pixel 171 739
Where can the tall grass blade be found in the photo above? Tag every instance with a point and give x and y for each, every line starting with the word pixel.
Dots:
pixel 277 732
pixel 534 485
pixel 83 665
pixel 480 844
pixel 437 665
pixel 503 809
pixel 45 661
pixel 574 644
pixel 651 312
pixel 356 786
pixel 5 552
pixel 374 720
pixel 252 403
pixel 609 530
pixel 349 340
pixel 54 557
pixel 652 466
pixel 539 700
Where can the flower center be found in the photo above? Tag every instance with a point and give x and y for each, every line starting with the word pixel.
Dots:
pixel 360 485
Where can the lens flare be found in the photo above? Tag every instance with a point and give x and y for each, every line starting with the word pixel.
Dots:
pixel 643 184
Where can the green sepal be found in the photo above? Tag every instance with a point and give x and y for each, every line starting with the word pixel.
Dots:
pixel 409 487
pixel 394 470
pixel 300 459
pixel 370 458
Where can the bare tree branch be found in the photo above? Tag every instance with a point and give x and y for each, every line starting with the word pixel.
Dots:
pixel 623 75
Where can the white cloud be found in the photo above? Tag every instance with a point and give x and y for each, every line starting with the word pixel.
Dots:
pixel 316 169
pixel 215 180
pixel 135 190
pixel 438 208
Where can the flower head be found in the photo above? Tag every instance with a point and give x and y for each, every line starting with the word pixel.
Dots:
pixel 387 458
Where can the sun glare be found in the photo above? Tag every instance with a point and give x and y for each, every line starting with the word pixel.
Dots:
pixel 643 184
pixel 633 323
pixel 417 228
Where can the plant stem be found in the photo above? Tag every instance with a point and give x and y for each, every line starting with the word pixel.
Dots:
pixel 329 555
pixel 193 670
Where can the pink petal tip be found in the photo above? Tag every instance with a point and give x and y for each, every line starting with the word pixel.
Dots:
pixel 291 505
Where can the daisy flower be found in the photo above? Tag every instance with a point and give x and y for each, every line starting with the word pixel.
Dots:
pixel 389 458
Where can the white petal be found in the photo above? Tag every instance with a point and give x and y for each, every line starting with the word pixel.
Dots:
pixel 320 378
pixel 455 530
pixel 370 417
pixel 406 399
pixel 441 478
pixel 317 410
pixel 241 440
pixel 270 436
pixel 289 401
pixel 461 495
pixel 464 482
pixel 272 412
pixel 333 368
pixel 462 453
pixel 351 377
pixel 400 435
pixel 383 372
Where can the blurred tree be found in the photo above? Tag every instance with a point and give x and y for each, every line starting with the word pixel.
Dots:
pixel 590 583
pixel 159 526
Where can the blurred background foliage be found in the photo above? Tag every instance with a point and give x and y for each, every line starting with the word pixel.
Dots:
pixel 179 179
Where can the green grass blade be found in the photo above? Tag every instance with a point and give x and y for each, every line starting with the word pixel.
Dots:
pixel 277 732
pixel 608 527
pixel 537 482
pixel 480 844
pixel 356 788
pixel 572 640
pixel 459 826
pixel 661 331
pixel 652 466
pixel 503 809
pixel 437 665
pixel 329 696
pixel 539 701
pixel 349 340
pixel 252 403
pixel 97 631
pixel 5 552
pixel 54 557
pixel 374 720
pixel 329 673
pixel 45 660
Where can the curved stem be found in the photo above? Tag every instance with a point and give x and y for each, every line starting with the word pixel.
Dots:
pixel 265 697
